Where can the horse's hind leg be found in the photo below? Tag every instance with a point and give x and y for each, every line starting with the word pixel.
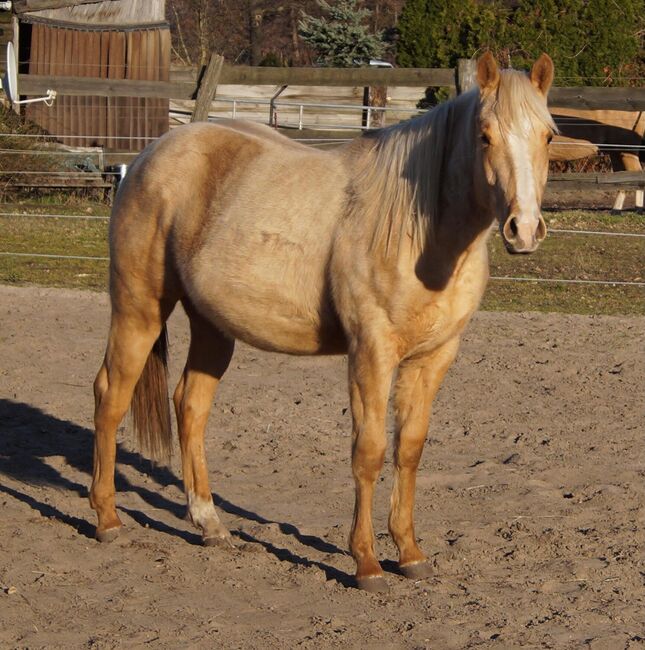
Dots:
pixel 208 358
pixel 131 338
pixel 417 383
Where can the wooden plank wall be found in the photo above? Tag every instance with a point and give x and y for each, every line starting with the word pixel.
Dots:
pixel 116 123
pixel 6 35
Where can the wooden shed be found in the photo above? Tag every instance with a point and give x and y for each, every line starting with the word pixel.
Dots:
pixel 6 35
pixel 112 39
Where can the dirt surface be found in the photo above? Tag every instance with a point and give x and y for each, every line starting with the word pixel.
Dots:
pixel 530 497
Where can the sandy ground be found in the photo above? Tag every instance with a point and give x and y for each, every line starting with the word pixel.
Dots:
pixel 530 498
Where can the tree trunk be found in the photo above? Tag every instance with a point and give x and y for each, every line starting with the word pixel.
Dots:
pixel 255 29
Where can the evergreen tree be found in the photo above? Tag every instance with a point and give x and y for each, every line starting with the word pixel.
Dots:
pixel 341 38
pixel 436 33
pixel 548 26
pixel 590 41
pixel 612 43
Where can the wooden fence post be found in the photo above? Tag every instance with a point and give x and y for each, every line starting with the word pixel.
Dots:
pixel 466 75
pixel 207 88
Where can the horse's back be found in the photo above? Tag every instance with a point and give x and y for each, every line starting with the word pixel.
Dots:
pixel 242 221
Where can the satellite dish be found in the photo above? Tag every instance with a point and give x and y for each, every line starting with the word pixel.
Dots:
pixel 10 82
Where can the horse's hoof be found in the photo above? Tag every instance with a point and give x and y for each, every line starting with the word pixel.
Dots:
pixel 417 570
pixel 225 541
pixel 107 535
pixel 373 584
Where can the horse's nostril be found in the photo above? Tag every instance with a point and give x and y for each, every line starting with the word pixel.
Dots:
pixel 512 223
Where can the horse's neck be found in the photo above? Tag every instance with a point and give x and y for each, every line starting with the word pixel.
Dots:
pixel 463 209
pixel 414 185
pixel 463 221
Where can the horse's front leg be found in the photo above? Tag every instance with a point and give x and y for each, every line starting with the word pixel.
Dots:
pixel 417 383
pixel 370 373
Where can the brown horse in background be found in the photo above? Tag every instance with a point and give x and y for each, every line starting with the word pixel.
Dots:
pixel 376 249
pixel 586 132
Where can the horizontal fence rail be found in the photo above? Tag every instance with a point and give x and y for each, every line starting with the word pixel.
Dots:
pixel 184 85
pixel 590 181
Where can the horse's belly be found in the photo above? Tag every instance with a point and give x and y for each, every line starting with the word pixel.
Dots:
pixel 268 290
pixel 277 332
pixel 270 323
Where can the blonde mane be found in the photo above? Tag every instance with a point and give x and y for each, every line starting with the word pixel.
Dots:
pixel 516 99
pixel 399 176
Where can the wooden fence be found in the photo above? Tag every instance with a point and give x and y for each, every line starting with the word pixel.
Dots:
pixel 187 84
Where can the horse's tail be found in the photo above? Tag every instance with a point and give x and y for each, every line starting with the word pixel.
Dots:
pixel 150 406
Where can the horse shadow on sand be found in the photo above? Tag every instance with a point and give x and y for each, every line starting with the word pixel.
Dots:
pixel 28 436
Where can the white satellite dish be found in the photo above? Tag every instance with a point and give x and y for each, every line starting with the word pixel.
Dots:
pixel 10 82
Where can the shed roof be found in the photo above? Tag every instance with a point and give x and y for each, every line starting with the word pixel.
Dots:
pixel 107 12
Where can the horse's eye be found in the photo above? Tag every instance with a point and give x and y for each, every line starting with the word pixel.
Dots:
pixel 485 139
pixel 549 138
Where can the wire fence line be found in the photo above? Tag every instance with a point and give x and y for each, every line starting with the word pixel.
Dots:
pixel 57 216
pixel 572 281
pixel 492 277
pixel 567 231
pixel 604 233
pixel 48 172
pixel 55 257
pixel 309 141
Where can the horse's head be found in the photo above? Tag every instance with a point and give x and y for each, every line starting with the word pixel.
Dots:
pixel 515 129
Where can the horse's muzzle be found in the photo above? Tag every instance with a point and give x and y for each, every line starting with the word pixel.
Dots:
pixel 522 236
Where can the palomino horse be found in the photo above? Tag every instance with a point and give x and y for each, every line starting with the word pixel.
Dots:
pixel 586 132
pixel 376 249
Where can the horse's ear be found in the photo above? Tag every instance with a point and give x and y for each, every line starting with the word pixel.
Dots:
pixel 487 73
pixel 542 74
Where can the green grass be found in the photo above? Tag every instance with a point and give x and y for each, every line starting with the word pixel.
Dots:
pixel 561 255
pixel 54 236
pixel 573 256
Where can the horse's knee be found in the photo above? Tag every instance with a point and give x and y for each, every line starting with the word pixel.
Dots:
pixel 367 460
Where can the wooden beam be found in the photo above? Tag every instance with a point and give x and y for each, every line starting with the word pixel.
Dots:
pixel 598 98
pixel 207 88
pixel 590 181
pixel 251 76
pixel 184 85
pixel 21 6
pixel 79 86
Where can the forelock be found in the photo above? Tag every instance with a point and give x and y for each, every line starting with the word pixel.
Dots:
pixel 516 99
